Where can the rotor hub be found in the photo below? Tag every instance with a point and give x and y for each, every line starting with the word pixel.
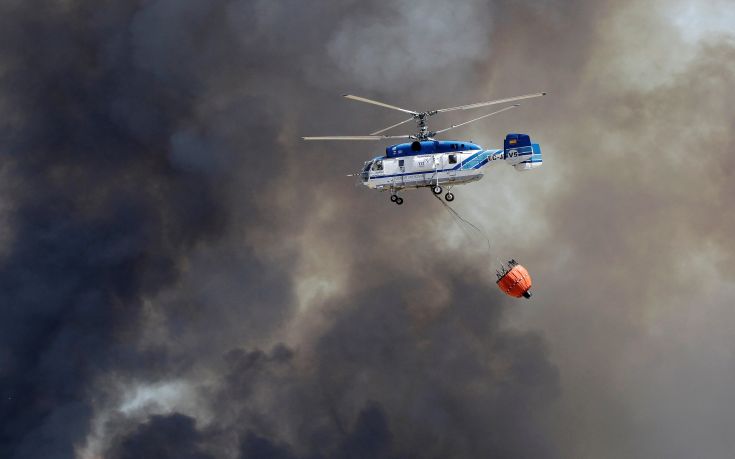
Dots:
pixel 422 128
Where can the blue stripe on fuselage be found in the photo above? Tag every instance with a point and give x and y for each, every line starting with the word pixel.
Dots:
pixel 430 172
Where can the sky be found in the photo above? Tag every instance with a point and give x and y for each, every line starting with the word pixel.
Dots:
pixel 181 276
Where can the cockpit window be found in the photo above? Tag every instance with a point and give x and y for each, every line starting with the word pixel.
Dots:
pixel 378 165
pixel 367 166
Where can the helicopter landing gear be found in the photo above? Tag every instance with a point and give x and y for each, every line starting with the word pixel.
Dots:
pixel 449 197
pixel 396 199
pixel 436 189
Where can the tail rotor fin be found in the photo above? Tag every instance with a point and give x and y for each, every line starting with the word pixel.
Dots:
pixel 520 153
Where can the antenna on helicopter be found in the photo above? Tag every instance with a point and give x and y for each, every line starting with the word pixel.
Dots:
pixel 423 132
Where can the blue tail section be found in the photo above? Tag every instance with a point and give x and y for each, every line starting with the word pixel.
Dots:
pixel 518 151
pixel 521 153
pixel 513 141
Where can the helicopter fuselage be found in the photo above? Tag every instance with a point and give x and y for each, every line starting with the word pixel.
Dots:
pixel 436 163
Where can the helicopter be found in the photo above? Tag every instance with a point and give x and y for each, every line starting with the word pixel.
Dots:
pixel 427 162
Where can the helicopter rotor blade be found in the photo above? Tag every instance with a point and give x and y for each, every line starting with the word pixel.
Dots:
pixel 359 137
pixel 345 137
pixel 391 127
pixel 484 104
pixel 476 119
pixel 381 104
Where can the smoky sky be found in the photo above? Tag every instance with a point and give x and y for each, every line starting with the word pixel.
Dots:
pixel 182 277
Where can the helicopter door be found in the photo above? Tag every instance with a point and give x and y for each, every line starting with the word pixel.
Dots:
pixel 401 179
pixel 452 160
pixel 438 165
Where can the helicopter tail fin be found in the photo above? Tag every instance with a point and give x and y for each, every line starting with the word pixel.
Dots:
pixel 521 153
pixel 530 162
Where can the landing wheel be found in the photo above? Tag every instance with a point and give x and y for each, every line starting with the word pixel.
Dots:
pixel 449 197
pixel 399 201
pixel 436 190
pixel 393 198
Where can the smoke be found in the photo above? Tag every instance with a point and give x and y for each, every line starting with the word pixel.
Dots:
pixel 406 42
pixel 380 383
pixel 163 436
pixel 182 277
pixel 99 218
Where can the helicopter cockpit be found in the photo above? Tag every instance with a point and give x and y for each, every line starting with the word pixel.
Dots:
pixel 366 171
pixel 375 165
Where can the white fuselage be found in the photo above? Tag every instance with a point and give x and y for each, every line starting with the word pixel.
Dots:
pixel 429 169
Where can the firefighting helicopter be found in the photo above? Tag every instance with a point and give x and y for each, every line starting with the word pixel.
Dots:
pixel 427 162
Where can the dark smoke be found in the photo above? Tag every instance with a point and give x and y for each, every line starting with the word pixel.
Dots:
pixel 173 436
pixel 384 386
pixel 100 216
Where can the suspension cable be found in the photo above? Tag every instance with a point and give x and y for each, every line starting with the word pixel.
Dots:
pixel 459 219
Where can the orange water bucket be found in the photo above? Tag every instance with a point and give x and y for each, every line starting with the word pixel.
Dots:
pixel 516 282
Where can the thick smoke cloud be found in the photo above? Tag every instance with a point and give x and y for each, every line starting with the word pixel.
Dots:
pixel 182 277
pixel 379 385
pixel 163 436
pixel 98 217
